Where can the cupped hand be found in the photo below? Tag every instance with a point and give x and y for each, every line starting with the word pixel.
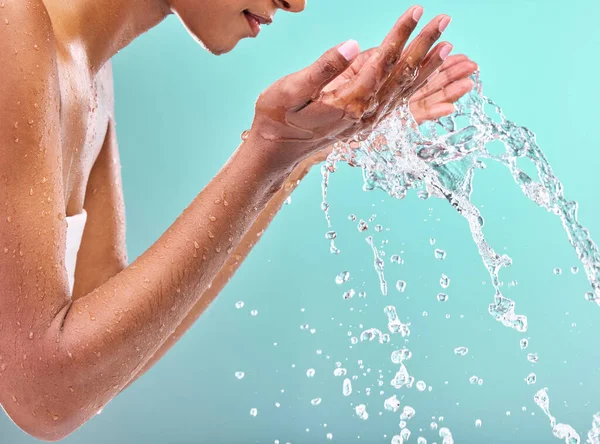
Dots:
pixel 434 99
pixel 346 93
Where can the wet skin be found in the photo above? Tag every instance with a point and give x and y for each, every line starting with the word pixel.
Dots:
pixel 64 356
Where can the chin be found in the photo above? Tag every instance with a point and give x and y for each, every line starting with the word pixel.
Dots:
pixel 218 47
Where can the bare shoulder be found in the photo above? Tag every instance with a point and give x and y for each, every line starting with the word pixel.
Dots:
pixel 27 45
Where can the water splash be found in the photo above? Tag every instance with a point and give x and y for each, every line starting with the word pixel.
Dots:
pixel 441 158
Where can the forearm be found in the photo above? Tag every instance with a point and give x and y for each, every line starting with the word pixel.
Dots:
pixel 232 264
pixel 95 344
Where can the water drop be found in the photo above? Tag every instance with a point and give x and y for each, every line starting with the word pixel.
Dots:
pixel 523 343
pixel 557 271
pixel 349 294
pixel 310 373
pixel 531 378
pixel 421 386
pixel 330 235
pixel 352 217
pixel 432 241
pixel 347 387
pixel 239 375
pixel 444 281
pixel 574 270
pixel 239 304
pixel 361 412
pixel 342 277
pixel 254 312
pixel 316 401
pixel 478 423
pixel 442 297
pixel 440 254
pixel 401 286
pixel 253 411
pixel 532 357
pixel 461 351
pixel 362 226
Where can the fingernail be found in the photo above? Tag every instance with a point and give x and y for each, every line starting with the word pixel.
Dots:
pixel 444 23
pixel 417 13
pixel 349 50
pixel 445 51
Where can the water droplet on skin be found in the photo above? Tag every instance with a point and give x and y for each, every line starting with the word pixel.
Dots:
pixel 239 375
pixel 461 351
pixel 92 317
pixel 330 235
pixel 9 219
pixel 532 357
pixel 442 297
pixel 440 254
pixel 401 286
pixel 245 134
pixel 316 401
pixel 30 335
pixel 342 277
pixel 253 411
pixel 212 218
pixel 362 226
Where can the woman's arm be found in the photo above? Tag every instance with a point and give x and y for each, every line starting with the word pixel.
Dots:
pixel 233 263
pixel 61 360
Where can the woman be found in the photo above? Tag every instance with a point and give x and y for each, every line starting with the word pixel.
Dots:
pixel 71 338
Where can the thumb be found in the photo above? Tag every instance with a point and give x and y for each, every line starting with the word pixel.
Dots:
pixel 309 82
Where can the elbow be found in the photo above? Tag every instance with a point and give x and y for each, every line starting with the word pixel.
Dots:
pixel 46 428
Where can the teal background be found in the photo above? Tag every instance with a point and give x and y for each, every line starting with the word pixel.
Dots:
pixel 180 112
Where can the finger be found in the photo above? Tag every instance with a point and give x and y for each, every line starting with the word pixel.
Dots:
pixel 352 71
pixel 434 112
pixel 417 50
pixel 304 85
pixel 378 67
pixel 432 63
pixel 453 60
pixel 402 87
pixel 449 94
pixel 455 72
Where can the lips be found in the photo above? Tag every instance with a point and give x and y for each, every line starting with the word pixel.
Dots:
pixel 255 21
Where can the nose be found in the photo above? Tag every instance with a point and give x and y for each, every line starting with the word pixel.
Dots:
pixel 291 5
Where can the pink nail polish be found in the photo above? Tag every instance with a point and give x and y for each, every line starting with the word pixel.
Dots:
pixel 349 50
pixel 445 51
pixel 417 13
pixel 444 23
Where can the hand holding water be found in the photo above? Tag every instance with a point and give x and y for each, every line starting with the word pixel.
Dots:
pixel 345 93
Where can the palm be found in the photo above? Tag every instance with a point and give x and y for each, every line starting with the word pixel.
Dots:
pixel 436 98
pixel 433 100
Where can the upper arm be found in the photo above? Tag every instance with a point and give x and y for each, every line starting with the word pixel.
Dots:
pixel 32 209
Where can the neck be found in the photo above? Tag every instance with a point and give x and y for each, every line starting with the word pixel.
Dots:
pixel 101 28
